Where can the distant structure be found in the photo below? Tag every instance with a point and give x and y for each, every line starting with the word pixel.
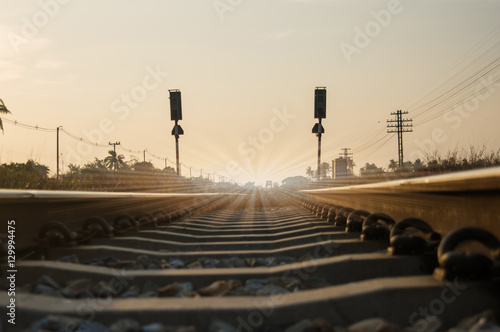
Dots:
pixel 296 182
pixel 340 168
pixel 348 157
pixel 399 126
pixel 269 184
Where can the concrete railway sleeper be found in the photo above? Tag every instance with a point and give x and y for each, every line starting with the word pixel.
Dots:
pixel 310 263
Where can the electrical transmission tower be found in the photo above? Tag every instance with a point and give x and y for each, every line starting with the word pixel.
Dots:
pixel 348 157
pixel 399 126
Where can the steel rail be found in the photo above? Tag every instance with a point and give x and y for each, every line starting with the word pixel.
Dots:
pixel 31 209
pixel 446 202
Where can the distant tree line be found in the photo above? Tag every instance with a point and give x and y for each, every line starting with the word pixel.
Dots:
pixel 431 165
pixel 112 173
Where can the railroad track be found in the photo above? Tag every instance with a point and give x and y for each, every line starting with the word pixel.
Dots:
pixel 257 261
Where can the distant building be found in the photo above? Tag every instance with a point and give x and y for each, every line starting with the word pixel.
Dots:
pixel 296 182
pixel 340 168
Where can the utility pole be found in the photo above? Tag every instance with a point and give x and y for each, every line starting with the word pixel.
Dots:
pixel 401 126
pixel 190 171
pixel 58 151
pixel 144 155
pixel 176 115
pixel 114 150
pixel 165 162
pixel 348 157
pixel 319 113
pixel 114 145
pixel 201 173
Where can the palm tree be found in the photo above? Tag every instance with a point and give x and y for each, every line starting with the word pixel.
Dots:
pixel 393 165
pixel 309 172
pixel 114 161
pixel 3 110
pixel 325 169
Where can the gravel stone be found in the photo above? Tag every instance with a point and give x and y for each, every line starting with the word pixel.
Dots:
pixel 43 289
pixel 176 263
pixel 48 281
pixel 209 263
pixel 102 261
pixel 250 262
pixel 316 282
pixel 121 264
pixel 322 325
pixel 195 265
pixel 154 266
pixel 260 262
pixel 103 289
pixel 220 288
pixel 270 289
pixel 285 260
pixel 305 325
pixel 87 326
pixel 220 326
pixel 77 287
pixel 271 261
pixel 373 325
pixel 253 285
pixel 305 258
pixel 57 323
pixel 155 327
pixel 177 289
pixel 149 289
pixel 125 325
pixel 68 259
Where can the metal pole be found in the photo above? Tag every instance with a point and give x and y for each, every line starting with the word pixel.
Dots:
pixel 319 150
pixel 400 137
pixel 144 155
pixel 165 162
pixel 57 153
pixel 177 151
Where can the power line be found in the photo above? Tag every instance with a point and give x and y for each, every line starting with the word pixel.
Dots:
pixel 84 140
pixel 27 126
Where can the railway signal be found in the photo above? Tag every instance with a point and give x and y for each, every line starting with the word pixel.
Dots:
pixel 319 113
pixel 176 115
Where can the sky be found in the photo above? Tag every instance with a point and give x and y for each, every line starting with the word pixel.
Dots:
pixel 247 71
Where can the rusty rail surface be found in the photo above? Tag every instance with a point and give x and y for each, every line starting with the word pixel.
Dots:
pixel 444 201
